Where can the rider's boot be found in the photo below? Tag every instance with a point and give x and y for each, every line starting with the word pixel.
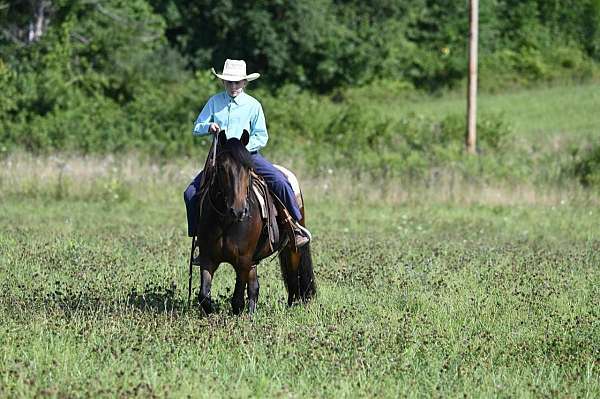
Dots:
pixel 301 234
pixel 297 233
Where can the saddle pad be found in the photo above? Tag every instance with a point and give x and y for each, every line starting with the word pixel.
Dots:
pixel 293 182
pixel 264 212
pixel 267 209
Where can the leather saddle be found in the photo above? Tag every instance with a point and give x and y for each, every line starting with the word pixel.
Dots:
pixel 276 218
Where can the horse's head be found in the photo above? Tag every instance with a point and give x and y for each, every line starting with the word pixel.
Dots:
pixel 233 165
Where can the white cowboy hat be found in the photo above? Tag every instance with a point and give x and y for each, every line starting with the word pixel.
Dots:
pixel 234 71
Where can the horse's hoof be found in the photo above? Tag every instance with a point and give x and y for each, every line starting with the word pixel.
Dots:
pixel 207 306
pixel 237 308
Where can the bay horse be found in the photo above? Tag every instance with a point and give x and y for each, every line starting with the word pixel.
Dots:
pixel 231 229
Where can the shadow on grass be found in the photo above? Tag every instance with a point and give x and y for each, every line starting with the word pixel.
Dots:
pixel 156 299
pixel 160 300
pixel 153 299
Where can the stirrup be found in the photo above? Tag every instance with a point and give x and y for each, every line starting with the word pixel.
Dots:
pixel 301 235
pixel 196 261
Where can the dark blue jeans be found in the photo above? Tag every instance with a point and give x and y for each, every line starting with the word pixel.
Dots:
pixel 277 182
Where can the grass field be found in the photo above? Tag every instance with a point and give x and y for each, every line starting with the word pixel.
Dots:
pixel 418 297
pixel 538 115
pixel 465 289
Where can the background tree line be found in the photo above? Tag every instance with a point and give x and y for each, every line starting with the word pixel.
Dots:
pixel 112 75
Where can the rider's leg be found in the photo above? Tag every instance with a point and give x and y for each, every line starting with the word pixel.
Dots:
pixel 191 198
pixel 281 187
pixel 278 184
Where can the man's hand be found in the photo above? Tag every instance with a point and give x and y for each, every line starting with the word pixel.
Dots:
pixel 214 128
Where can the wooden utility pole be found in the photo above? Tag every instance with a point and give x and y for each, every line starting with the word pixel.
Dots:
pixel 471 139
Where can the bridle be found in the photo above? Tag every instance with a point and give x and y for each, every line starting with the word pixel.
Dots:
pixel 214 184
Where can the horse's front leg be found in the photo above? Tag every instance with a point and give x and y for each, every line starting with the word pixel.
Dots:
pixel 205 286
pixel 253 288
pixel 245 277
pixel 237 301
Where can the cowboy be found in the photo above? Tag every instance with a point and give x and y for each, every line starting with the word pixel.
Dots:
pixel 233 111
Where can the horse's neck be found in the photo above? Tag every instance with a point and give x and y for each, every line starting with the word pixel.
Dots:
pixel 208 194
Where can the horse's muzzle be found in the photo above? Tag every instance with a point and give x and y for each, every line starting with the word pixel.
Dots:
pixel 239 214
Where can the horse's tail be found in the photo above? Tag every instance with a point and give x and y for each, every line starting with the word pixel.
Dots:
pixel 298 274
pixel 306 274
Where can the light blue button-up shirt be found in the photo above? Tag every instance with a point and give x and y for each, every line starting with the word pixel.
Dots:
pixel 234 115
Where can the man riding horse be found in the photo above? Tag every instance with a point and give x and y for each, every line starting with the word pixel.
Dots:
pixel 234 111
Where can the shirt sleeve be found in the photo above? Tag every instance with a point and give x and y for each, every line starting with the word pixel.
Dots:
pixel 204 119
pixel 258 131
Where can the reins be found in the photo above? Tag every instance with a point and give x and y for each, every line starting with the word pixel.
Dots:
pixel 213 173
pixel 208 176
pixel 210 173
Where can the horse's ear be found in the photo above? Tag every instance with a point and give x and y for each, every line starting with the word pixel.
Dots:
pixel 245 138
pixel 222 137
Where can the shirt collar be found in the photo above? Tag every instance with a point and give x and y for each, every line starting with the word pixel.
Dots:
pixel 239 100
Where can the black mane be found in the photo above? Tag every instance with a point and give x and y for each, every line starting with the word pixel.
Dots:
pixel 238 152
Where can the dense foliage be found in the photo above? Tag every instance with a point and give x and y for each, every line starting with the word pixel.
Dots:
pixel 587 166
pixel 117 75
pixel 318 44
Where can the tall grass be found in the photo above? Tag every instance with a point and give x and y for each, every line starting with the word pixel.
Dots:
pixel 422 293
pixel 134 177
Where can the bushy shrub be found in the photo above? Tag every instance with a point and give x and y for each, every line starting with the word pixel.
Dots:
pixel 587 166
pixel 528 67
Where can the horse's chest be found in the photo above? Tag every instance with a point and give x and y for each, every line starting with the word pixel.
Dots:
pixel 228 246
